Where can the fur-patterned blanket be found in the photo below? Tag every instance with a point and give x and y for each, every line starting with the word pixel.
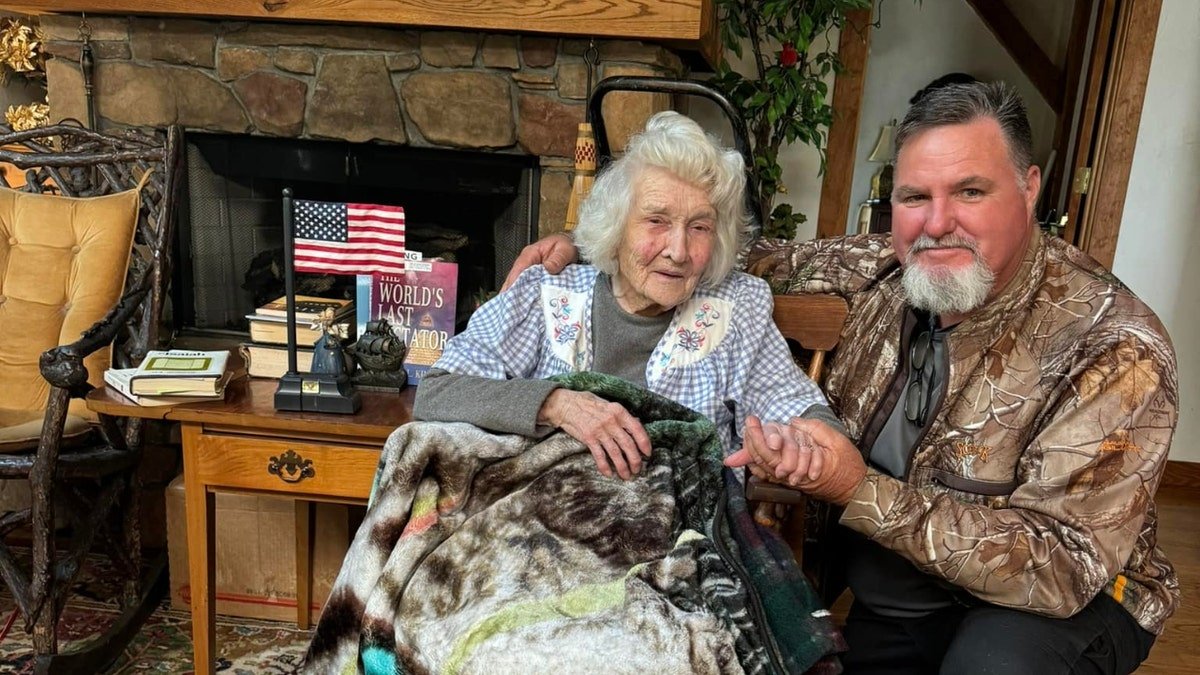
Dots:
pixel 486 553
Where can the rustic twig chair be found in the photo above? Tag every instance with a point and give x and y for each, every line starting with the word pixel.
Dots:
pixel 86 470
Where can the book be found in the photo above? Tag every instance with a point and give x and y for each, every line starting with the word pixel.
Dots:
pixel 271 360
pixel 308 307
pixel 179 372
pixel 273 330
pixel 420 306
pixel 119 379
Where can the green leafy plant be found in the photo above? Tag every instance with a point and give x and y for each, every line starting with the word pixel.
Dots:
pixel 784 99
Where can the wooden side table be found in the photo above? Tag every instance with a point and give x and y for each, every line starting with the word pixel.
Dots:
pixel 243 444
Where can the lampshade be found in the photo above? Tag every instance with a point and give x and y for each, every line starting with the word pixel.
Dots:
pixel 883 146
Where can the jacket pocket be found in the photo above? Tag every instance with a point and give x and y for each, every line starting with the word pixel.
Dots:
pixel 986 488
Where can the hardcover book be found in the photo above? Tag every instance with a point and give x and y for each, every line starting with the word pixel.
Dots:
pixel 179 372
pixel 269 329
pixel 308 307
pixel 120 380
pixel 419 304
pixel 272 360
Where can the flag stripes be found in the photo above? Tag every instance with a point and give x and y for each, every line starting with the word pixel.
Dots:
pixel 336 238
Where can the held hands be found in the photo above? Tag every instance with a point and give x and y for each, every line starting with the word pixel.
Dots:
pixel 554 252
pixel 609 431
pixel 806 454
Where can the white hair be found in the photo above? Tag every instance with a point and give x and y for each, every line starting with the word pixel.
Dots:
pixel 676 144
pixel 946 292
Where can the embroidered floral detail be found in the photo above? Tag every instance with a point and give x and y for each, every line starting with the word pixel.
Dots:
pixel 565 330
pixel 697 330
pixel 567 325
pixel 690 340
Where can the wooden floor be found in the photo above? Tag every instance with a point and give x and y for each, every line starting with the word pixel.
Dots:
pixel 1177 651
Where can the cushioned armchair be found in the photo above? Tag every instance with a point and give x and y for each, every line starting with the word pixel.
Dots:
pixel 84 268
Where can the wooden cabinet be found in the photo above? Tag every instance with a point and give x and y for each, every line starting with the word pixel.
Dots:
pixel 243 444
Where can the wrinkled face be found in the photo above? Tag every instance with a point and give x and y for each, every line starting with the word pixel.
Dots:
pixel 958 206
pixel 668 241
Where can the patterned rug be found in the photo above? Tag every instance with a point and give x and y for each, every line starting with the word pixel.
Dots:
pixel 164 643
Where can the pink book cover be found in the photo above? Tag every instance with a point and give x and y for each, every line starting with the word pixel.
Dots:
pixel 419 304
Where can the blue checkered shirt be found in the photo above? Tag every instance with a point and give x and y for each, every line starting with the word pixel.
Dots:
pixel 722 356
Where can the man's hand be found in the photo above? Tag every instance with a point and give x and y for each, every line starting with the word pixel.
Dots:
pixel 554 252
pixel 775 453
pixel 609 431
pixel 809 456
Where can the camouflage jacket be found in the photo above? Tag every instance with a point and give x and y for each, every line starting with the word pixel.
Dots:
pixel 1033 487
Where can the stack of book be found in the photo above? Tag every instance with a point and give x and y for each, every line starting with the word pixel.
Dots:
pixel 174 376
pixel 266 354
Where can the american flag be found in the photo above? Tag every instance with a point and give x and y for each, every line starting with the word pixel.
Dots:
pixel 336 238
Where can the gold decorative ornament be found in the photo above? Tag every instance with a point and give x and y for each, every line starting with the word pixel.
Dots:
pixel 21 49
pixel 28 116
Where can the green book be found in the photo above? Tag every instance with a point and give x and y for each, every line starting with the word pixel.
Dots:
pixel 179 372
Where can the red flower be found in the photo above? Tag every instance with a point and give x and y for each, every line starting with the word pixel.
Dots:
pixel 789 56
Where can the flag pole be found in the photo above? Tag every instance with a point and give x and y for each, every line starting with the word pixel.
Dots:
pixel 289 276
pixel 288 394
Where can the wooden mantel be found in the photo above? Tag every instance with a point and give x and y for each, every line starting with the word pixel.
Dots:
pixel 685 24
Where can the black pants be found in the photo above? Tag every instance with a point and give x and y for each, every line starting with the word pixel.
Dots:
pixel 1101 638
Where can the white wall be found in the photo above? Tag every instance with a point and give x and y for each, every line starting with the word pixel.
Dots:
pixel 1158 249
pixel 917 43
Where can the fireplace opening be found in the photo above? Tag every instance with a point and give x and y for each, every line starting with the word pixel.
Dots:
pixel 477 209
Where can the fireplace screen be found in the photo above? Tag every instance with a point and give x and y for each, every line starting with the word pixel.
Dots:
pixel 477 209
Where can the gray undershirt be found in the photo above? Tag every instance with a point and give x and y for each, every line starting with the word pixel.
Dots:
pixel 881 579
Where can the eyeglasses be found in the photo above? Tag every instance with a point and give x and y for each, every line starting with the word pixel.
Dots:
pixel 918 391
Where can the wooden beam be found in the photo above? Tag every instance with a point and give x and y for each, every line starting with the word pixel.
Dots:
pixel 1055 188
pixel 1102 37
pixel 1129 69
pixel 1021 46
pixel 842 143
pixel 636 19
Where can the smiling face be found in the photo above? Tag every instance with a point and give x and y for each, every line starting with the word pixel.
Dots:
pixel 668 242
pixel 959 212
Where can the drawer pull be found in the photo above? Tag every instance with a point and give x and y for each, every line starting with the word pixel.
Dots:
pixel 291 467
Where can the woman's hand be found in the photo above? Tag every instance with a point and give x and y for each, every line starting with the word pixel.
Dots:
pixel 554 252
pixel 609 431
pixel 807 455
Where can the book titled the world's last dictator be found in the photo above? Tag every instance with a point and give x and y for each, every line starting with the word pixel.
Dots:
pixel 419 304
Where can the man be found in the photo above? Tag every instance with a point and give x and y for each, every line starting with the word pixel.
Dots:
pixel 1009 406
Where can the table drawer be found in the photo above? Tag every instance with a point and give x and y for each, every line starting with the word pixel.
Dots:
pixel 313 469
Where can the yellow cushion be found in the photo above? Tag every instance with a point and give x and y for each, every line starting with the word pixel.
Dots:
pixel 21 430
pixel 62 267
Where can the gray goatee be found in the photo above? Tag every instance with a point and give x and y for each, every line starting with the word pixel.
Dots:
pixel 943 291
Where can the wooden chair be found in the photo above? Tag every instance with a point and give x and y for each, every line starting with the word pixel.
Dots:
pixel 812 325
pixel 88 470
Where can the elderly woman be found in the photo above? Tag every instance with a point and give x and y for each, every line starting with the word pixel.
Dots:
pixel 659 306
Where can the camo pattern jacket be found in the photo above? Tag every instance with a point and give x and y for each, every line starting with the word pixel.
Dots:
pixel 1033 486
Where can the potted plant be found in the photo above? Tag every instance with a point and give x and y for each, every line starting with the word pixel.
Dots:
pixel 784 98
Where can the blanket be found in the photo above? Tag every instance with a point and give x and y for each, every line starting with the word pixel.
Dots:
pixel 489 553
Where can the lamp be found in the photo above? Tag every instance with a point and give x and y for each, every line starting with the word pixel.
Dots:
pixel 881 182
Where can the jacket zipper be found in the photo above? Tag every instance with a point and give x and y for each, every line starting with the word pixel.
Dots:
pixel 756 609
pixel 872 431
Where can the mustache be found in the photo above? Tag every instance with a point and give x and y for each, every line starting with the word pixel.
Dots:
pixel 925 242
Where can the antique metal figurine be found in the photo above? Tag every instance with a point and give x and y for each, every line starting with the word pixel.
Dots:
pixel 380 355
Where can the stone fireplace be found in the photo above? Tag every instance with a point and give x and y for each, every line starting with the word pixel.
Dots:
pixel 338 89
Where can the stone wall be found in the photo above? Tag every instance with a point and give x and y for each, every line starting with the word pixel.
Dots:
pixel 493 92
